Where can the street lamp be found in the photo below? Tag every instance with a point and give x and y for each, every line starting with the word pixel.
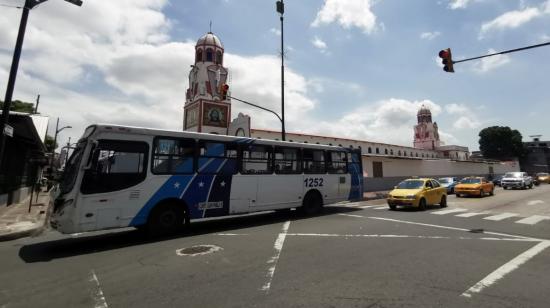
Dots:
pixel 57 130
pixel 281 10
pixel 29 4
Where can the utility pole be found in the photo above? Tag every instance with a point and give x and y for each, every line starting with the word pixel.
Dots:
pixel 37 102
pixel 281 10
pixel 29 4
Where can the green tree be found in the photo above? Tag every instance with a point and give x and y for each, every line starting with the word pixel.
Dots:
pixel 19 106
pixel 49 143
pixel 500 142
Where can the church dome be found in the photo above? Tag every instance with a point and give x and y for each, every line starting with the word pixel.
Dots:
pixel 424 115
pixel 210 39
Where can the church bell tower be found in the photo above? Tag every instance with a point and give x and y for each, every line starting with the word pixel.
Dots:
pixel 206 109
pixel 426 134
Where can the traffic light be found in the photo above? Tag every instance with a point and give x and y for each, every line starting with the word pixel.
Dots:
pixel 224 89
pixel 447 61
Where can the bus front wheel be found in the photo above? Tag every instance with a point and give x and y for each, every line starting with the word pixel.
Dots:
pixel 166 219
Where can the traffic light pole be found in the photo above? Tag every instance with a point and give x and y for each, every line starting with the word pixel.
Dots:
pixel 503 52
pixel 254 105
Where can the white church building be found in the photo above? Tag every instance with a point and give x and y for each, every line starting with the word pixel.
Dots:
pixel 208 110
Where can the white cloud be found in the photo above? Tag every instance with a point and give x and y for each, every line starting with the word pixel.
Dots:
pixel 349 13
pixel 275 31
pixel 490 63
pixel 458 4
pixel 456 108
pixel 388 121
pixel 429 35
pixel 510 20
pixel 320 44
pixel 465 122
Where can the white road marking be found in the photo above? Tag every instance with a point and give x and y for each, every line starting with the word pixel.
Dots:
pixel 531 220
pixel 506 268
pixel 278 246
pixel 535 202
pixel 232 234
pixel 501 216
pixel 366 206
pixel 403 236
pixel 449 211
pixel 98 296
pixel 385 207
pixel 524 238
pixel 471 214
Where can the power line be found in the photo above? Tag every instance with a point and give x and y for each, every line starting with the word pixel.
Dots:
pixel 12 6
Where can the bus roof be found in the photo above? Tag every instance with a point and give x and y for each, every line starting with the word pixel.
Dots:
pixel 113 128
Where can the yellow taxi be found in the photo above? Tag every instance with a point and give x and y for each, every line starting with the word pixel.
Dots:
pixel 417 193
pixel 543 177
pixel 474 186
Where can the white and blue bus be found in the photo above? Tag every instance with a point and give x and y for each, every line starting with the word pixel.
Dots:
pixel 121 176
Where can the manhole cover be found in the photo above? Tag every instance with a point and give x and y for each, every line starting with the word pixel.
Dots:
pixel 198 250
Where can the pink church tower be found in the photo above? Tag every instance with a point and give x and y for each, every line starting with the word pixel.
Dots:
pixel 426 135
pixel 206 110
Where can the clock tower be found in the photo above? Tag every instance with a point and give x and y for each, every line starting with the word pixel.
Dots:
pixel 426 133
pixel 206 110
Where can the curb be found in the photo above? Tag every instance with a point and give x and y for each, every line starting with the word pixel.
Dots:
pixel 378 196
pixel 34 231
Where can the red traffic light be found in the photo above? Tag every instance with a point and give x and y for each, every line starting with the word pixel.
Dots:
pixel 447 61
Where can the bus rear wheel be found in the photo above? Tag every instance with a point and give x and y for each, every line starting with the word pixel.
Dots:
pixel 313 204
pixel 166 219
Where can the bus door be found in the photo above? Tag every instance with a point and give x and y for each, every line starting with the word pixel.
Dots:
pixel 110 186
pixel 283 187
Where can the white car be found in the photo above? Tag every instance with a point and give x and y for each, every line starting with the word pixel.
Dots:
pixel 516 180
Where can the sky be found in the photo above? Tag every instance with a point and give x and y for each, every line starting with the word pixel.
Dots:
pixel 354 68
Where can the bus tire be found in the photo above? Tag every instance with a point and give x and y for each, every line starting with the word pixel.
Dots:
pixel 312 204
pixel 166 218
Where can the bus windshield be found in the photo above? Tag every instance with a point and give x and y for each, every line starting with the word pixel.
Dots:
pixel 71 168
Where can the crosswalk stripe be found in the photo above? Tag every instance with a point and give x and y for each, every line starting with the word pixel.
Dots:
pixel 531 220
pixel 443 212
pixel 471 214
pixel 385 207
pixel 500 216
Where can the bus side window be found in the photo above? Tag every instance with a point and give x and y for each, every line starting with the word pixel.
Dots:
pixel 256 159
pixel 173 156
pixel 116 165
pixel 286 161
pixel 217 158
pixel 337 162
pixel 313 161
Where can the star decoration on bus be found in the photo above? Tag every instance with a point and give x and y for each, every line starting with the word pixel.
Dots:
pixel 201 184
pixel 176 185
pixel 222 184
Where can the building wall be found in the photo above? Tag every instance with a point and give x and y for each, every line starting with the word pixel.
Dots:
pixel 395 170
pixel 392 150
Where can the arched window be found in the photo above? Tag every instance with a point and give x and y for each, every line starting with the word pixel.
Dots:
pixel 370 150
pixel 219 57
pixel 209 55
pixel 404 153
pixel 377 151
pixel 416 154
pixel 422 155
pixel 399 153
pixel 198 57
pixel 386 151
pixel 391 152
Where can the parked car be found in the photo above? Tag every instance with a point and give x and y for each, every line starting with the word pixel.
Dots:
pixel 543 177
pixel 474 186
pixel 417 193
pixel 516 180
pixel 497 180
pixel 449 183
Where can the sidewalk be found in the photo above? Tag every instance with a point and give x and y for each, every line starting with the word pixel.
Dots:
pixel 16 221
pixel 375 195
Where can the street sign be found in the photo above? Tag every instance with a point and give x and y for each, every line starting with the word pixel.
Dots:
pixel 8 130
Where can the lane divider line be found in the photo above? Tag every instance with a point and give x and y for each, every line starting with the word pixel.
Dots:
pixel 278 246
pixel 98 295
pixel 507 268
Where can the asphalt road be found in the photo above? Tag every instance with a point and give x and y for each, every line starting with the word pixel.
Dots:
pixel 353 255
